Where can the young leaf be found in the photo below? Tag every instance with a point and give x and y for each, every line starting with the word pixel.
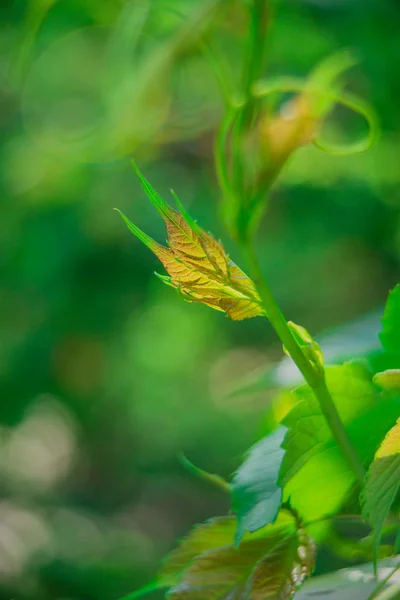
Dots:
pixel 390 336
pixel 197 263
pixel 270 564
pixel 256 495
pixel 383 482
pixel 309 346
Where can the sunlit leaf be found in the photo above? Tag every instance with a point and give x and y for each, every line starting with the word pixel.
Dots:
pixel 352 392
pixel 256 495
pixel 383 482
pixel 197 263
pixel 270 564
pixel 315 475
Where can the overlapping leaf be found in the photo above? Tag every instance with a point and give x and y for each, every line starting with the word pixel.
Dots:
pixel 314 472
pixel 197 263
pixel 383 482
pixel 256 495
pixel 269 565
pixel 352 392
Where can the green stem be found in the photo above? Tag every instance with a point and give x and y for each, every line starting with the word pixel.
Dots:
pixel 143 591
pixel 212 478
pixel 252 70
pixel 254 60
pixel 315 379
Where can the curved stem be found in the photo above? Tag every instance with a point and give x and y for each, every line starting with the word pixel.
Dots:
pixel 315 379
pixel 212 478
pixel 252 70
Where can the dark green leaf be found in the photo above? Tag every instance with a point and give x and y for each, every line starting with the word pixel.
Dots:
pixel 256 495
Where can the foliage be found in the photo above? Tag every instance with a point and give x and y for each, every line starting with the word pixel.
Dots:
pixel 256 494
pixel 270 564
pixel 106 377
pixel 383 482
pixel 198 264
pixel 317 461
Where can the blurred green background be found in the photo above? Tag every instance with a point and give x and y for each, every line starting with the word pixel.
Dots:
pixel 105 374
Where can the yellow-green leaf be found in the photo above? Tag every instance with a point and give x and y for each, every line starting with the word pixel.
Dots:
pixel 314 472
pixel 383 483
pixel 197 263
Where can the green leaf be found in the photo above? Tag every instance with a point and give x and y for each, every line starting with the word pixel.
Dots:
pixel 352 392
pixel 315 475
pixel 256 495
pixel 390 335
pixel 270 564
pixel 383 483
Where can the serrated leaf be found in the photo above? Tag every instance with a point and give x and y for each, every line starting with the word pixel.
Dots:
pixel 390 335
pixel 256 495
pixel 214 533
pixel 316 477
pixel 269 565
pixel 383 482
pixel 197 263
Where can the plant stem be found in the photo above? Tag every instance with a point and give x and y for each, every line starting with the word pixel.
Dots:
pixel 254 60
pixel 392 592
pixel 253 64
pixel 314 378
pixel 212 478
